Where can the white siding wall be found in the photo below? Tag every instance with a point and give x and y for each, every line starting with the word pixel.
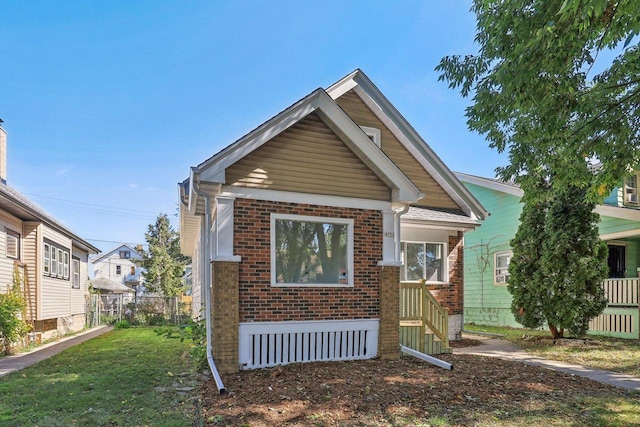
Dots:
pixel 55 294
pixel 106 268
pixel 197 311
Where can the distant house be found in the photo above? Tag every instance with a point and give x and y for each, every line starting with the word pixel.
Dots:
pixel 50 258
pixel 487 255
pixel 117 266
pixel 305 228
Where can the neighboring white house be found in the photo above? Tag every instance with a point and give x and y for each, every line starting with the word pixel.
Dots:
pixel 117 266
pixel 50 259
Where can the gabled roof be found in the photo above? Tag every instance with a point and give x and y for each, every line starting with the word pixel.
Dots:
pixel 213 169
pixel 491 183
pixel 409 138
pixel 16 204
pixel 116 250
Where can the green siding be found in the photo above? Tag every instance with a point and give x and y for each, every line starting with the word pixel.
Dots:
pixel 484 302
pixel 489 304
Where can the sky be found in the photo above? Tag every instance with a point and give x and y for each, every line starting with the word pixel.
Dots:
pixel 108 104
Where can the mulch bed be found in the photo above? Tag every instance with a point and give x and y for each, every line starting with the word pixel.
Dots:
pixel 397 392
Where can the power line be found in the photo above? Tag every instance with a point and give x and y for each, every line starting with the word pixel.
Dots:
pixel 89 204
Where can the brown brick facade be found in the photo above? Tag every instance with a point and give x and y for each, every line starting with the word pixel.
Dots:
pixel 224 315
pixel 450 295
pixel 389 334
pixel 260 302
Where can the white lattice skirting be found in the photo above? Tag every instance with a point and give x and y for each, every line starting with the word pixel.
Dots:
pixel 264 344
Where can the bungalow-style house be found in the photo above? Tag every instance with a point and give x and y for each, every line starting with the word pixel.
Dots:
pixel 487 254
pixel 306 226
pixel 117 266
pixel 50 259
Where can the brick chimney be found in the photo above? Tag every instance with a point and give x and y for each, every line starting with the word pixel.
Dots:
pixel 3 154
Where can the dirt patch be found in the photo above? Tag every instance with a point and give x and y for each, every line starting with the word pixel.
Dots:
pixel 401 392
pixel 465 342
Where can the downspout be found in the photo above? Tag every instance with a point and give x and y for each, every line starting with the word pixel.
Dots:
pixel 403 210
pixel 206 270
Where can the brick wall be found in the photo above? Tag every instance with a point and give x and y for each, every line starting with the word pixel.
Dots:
pixel 259 301
pixel 450 295
pixel 224 315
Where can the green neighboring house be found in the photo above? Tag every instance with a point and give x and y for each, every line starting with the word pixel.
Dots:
pixel 487 253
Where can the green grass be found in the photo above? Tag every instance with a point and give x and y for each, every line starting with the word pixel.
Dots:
pixel 126 377
pixel 612 354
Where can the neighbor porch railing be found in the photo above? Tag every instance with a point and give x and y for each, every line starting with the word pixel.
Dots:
pixel 621 318
pixel 424 323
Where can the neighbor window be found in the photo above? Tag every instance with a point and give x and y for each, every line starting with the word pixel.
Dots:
pixel 118 269
pixel 75 283
pixel 501 262
pixel 125 254
pixel 631 190
pixel 311 251
pixel 13 244
pixel 422 260
pixel 56 261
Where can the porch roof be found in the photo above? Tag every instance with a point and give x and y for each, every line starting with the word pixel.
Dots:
pixel 417 215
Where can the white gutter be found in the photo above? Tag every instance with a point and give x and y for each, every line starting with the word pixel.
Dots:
pixel 399 213
pixel 206 269
pixel 427 358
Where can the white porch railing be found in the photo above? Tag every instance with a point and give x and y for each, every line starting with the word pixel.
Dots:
pixel 621 291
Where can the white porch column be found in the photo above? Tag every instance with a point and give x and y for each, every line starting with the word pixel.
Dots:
pixel 222 231
pixel 390 240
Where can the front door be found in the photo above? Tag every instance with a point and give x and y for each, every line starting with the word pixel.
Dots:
pixel 617 267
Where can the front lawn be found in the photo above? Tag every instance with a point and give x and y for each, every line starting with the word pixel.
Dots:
pixel 126 377
pixel 612 354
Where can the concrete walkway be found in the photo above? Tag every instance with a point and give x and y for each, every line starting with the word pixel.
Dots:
pixel 503 349
pixel 19 361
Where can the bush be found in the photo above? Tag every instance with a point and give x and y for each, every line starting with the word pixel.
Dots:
pixel 12 327
pixel 196 332
pixel 122 324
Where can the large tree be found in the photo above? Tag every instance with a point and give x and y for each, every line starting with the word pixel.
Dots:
pixel 555 84
pixel 558 264
pixel 163 263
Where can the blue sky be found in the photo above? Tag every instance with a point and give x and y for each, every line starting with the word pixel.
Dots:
pixel 108 104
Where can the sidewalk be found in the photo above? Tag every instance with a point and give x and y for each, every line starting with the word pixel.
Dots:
pixel 503 349
pixel 19 361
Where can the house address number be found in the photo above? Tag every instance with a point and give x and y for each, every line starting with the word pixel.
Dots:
pixel 389 234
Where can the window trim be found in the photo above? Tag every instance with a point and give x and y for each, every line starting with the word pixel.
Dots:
pixel 118 270
pixel 325 220
pixel 630 190
pixel 75 278
pixel 57 264
pixel 11 234
pixel 496 281
pixel 445 258
pixel 373 134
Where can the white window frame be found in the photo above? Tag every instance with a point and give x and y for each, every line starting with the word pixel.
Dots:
pixel 56 261
pixel 46 268
pixel 12 236
pixel 445 260
pixel 501 275
pixel 631 190
pixel 324 220
pixel 372 133
pixel 118 270
pixel 75 281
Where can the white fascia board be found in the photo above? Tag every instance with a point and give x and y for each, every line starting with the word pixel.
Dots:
pixel 213 170
pixel 491 184
pixel 410 139
pixel 304 198
pixel 436 225
pixel 620 235
pixel 403 189
pixel 618 212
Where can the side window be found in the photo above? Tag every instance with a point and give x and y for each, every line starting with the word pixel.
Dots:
pixel 501 271
pixel 13 244
pixel 46 268
pixel 118 269
pixel 631 190
pixel 75 282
